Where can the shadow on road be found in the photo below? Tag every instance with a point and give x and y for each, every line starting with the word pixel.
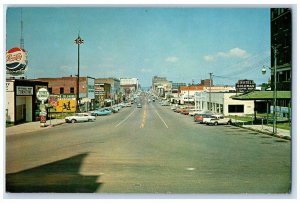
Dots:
pixel 61 177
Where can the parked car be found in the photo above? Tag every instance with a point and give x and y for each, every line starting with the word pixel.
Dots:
pixel 214 116
pixel 173 107
pixel 179 109
pixel 192 112
pixel 80 117
pixel 185 111
pixel 112 109
pixel 220 120
pixel 101 112
pixel 200 116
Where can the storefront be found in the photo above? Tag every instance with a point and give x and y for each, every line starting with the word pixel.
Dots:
pixel 21 102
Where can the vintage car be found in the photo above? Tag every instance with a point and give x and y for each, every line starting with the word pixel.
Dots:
pixel 80 117
pixel 101 112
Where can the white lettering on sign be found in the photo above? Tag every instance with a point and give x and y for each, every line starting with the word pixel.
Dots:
pixel 23 90
pixel 9 86
pixel 42 94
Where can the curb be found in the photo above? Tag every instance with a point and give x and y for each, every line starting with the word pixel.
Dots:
pixel 53 125
pixel 264 132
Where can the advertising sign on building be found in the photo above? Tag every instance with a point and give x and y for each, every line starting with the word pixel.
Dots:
pixel 16 61
pixel 245 86
pixel 24 90
pixel 66 105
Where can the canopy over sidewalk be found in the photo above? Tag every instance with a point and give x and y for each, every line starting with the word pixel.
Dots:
pixel 262 95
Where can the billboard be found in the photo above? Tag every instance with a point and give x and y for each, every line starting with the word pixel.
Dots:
pixel 65 105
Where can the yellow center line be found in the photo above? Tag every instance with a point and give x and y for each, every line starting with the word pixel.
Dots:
pixel 144 119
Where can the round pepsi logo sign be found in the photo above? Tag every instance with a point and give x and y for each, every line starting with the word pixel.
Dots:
pixel 16 60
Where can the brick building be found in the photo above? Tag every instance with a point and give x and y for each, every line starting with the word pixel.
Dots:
pixel 64 89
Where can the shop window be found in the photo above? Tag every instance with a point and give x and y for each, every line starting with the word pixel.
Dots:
pixel 235 108
pixel 61 90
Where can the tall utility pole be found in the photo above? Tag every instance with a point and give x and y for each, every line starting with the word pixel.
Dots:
pixel 210 81
pixel 78 41
pixel 275 91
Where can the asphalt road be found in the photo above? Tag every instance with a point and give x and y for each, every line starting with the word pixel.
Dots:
pixel 147 150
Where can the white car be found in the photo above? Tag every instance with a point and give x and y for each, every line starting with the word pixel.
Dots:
pixel 220 120
pixel 214 116
pixel 192 112
pixel 80 117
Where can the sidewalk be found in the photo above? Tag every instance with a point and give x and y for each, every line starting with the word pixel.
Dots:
pixel 32 126
pixel 281 133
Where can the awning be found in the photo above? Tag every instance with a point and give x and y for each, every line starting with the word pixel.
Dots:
pixel 262 95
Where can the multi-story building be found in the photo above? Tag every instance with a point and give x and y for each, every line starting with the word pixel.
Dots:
pixel 176 86
pixel 102 94
pixel 64 90
pixel 129 85
pixel 115 88
pixel 206 82
pixel 281 39
pixel 187 93
pixel 161 85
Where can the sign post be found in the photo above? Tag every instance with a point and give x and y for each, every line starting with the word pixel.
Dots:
pixel 42 95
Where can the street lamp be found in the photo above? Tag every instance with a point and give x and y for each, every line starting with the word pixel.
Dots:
pixel 274 90
pixel 78 41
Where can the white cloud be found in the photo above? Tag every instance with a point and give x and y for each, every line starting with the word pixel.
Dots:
pixel 237 52
pixel 209 58
pixel 232 53
pixel 171 59
pixel 146 70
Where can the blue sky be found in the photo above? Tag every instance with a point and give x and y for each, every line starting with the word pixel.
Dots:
pixel 182 44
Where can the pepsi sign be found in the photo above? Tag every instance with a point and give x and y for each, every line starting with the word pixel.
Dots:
pixel 16 61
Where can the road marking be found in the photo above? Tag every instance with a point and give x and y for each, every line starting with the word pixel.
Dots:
pixel 161 118
pixel 144 119
pixel 190 169
pixel 125 119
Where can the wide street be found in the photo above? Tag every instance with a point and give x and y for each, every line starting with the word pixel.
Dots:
pixel 147 150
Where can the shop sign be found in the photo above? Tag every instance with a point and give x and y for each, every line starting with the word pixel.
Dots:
pixel 66 96
pixel 245 86
pixel 23 90
pixel 9 86
pixel 42 94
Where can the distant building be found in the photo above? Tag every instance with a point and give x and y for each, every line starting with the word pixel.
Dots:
pixel 219 88
pixel 161 85
pixel 176 86
pixel 281 38
pixel 206 82
pixel 187 93
pixel 115 88
pixel 102 94
pixel 129 85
